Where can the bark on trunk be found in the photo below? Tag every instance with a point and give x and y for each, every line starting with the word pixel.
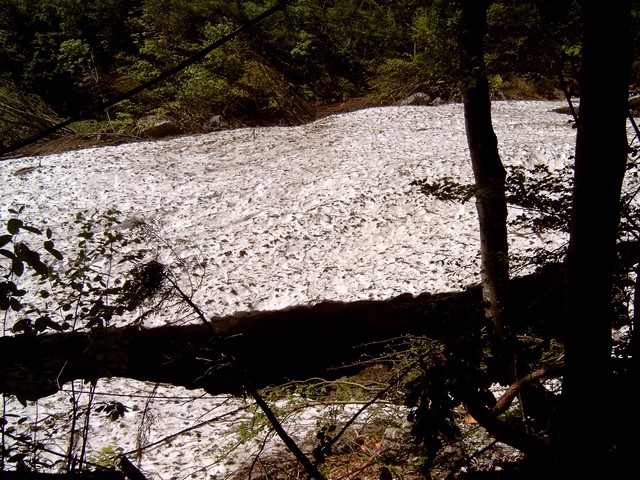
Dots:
pixel 490 176
pixel 601 156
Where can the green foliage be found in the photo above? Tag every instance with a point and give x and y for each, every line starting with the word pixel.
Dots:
pixel 89 279
pixel 74 57
pixel 20 256
pixel 427 62
pixel 114 410
pixel 84 289
pixel 541 198
pixel 106 457
pixel 21 114
pixel 544 197
pixel 396 78
pixel 57 40
pixel 72 54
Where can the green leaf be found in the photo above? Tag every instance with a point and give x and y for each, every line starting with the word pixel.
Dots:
pixel 4 239
pixel 33 260
pixel 31 229
pixel 14 225
pixel 7 254
pixel 19 293
pixel 16 305
pixel 45 322
pixel 48 246
pixel 17 267
pixel 21 250
pixel 22 325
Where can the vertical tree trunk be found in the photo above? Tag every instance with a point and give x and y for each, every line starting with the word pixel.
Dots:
pixel 601 155
pixel 491 205
pixel 489 177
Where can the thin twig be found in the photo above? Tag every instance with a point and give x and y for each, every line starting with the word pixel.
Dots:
pixel 164 439
pixel 353 418
pixel 311 469
pixel 469 459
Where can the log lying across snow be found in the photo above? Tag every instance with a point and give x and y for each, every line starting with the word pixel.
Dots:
pixel 272 347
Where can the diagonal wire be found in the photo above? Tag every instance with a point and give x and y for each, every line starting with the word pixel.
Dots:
pixel 196 57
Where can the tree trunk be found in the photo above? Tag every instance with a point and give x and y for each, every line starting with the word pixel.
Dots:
pixel 507 362
pixel 326 340
pixel 601 155
pixel 489 177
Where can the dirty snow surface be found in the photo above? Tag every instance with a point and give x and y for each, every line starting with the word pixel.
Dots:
pixel 280 216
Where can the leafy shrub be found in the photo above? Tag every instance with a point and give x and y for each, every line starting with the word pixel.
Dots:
pixel 65 292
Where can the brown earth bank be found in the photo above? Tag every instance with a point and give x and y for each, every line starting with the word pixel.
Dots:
pixel 303 113
pixel 306 114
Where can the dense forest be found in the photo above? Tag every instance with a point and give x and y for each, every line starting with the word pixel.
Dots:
pixel 59 58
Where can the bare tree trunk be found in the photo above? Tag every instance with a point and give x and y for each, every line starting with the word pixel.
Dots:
pixel 489 177
pixel 601 156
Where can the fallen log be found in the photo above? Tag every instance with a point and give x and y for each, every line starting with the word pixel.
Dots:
pixel 267 347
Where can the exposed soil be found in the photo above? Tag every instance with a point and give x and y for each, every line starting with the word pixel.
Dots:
pixel 80 141
pixel 304 113
pixel 347 106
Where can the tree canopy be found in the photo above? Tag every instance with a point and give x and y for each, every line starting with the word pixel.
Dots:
pixel 59 58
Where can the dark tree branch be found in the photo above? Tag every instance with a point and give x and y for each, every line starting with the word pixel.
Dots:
pixel 507 432
pixel 507 398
